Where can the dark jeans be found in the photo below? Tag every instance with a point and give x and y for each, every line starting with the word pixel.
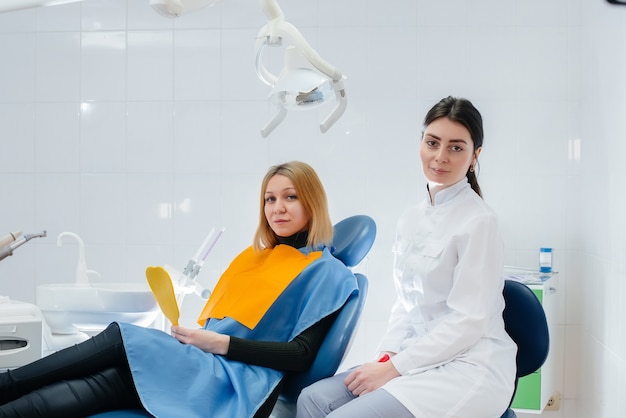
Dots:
pixel 79 381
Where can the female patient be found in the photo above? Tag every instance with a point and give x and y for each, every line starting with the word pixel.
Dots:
pixel 266 317
pixel 446 352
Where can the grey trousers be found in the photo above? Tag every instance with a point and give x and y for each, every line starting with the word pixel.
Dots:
pixel 330 397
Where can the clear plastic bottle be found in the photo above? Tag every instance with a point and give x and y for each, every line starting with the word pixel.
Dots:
pixel 545 260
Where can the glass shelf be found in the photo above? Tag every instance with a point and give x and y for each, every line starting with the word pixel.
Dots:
pixel 527 275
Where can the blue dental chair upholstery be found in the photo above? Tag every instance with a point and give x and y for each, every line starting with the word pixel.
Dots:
pixel 525 321
pixel 353 239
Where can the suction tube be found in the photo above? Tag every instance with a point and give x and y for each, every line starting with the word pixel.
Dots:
pixel 8 250
pixel 9 238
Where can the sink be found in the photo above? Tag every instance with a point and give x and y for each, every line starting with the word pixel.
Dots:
pixel 69 308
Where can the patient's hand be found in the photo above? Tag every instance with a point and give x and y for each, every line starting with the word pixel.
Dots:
pixel 208 341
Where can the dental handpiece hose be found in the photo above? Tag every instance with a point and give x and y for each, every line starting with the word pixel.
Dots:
pixel 8 250
pixel 187 280
pixel 9 238
pixel 195 264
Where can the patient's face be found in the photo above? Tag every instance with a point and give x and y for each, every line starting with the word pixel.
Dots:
pixel 283 210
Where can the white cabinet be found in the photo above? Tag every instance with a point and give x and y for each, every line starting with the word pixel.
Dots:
pixel 534 391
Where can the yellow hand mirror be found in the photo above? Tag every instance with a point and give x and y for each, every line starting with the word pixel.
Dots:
pixel 161 285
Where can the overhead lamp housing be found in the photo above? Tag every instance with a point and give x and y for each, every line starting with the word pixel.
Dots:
pixel 299 86
pixel 177 8
pixel 12 5
pixel 306 81
pixel 302 89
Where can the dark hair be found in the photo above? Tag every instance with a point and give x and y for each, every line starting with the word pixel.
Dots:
pixel 462 111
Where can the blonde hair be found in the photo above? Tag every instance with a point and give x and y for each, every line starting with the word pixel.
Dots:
pixel 311 194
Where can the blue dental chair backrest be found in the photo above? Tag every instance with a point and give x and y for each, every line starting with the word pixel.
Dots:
pixel 525 321
pixel 334 348
pixel 353 239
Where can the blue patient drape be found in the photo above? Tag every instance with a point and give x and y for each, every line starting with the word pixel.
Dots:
pixel 178 380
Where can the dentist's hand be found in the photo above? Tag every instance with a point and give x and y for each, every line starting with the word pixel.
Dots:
pixel 208 341
pixel 369 377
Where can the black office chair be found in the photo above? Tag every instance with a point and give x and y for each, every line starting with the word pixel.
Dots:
pixel 525 321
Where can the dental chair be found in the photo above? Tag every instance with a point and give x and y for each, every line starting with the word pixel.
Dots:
pixel 353 239
pixel 525 321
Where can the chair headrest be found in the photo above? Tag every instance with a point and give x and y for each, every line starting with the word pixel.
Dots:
pixel 353 239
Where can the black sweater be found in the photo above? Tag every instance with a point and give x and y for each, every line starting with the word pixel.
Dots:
pixel 294 356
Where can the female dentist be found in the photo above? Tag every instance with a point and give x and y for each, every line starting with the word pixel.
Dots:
pixel 446 352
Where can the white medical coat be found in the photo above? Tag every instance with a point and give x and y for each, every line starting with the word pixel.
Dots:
pixel 446 326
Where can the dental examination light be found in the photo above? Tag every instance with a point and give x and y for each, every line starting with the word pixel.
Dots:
pixel 176 8
pixel 306 81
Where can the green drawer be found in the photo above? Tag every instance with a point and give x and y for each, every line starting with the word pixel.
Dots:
pixel 528 395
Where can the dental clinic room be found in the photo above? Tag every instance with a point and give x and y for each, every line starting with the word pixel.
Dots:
pixel 135 135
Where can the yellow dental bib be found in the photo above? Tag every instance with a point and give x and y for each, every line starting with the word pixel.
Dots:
pixel 252 283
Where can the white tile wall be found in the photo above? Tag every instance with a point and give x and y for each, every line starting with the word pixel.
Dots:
pixel 140 133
